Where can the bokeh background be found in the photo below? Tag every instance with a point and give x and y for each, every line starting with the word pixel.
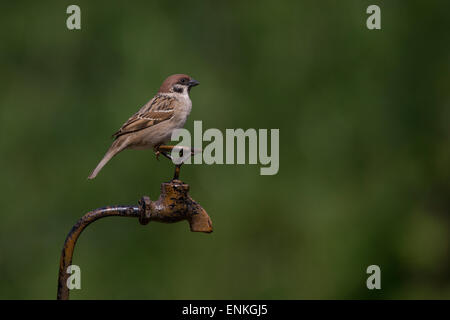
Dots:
pixel 364 148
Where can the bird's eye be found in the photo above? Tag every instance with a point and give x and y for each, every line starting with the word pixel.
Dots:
pixel 183 80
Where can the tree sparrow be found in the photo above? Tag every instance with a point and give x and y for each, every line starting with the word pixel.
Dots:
pixel 154 123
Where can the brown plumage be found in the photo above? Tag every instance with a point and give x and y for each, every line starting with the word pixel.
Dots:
pixel 159 109
pixel 154 123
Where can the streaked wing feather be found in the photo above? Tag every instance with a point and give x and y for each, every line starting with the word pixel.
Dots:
pixel 157 110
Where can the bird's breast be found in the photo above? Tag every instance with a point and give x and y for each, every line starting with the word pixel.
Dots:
pixel 183 109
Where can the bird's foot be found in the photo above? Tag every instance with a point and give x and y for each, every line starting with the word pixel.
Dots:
pixel 158 152
pixel 167 155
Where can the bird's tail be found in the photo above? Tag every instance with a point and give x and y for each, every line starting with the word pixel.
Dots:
pixel 115 148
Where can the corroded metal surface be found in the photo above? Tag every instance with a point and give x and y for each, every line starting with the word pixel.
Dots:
pixel 174 204
pixel 72 237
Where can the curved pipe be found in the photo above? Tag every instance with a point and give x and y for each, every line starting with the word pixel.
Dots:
pixel 174 204
pixel 77 229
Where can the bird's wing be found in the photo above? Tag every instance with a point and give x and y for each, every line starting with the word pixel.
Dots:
pixel 157 110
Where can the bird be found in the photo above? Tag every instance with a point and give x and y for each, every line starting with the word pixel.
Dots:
pixel 154 123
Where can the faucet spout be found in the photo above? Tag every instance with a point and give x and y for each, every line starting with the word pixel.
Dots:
pixel 175 204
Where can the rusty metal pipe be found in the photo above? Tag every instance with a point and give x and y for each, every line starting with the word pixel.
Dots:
pixel 174 204
pixel 77 229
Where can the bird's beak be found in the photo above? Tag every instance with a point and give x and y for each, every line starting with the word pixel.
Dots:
pixel 193 83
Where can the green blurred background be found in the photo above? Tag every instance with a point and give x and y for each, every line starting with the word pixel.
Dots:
pixel 364 148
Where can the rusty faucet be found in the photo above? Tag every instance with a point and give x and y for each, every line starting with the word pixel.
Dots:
pixel 174 204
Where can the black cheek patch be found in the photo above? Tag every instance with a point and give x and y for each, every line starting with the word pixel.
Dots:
pixel 178 89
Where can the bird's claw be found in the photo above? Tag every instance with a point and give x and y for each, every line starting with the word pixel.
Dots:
pixel 167 155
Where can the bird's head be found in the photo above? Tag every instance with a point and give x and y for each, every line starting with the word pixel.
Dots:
pixel 178 83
